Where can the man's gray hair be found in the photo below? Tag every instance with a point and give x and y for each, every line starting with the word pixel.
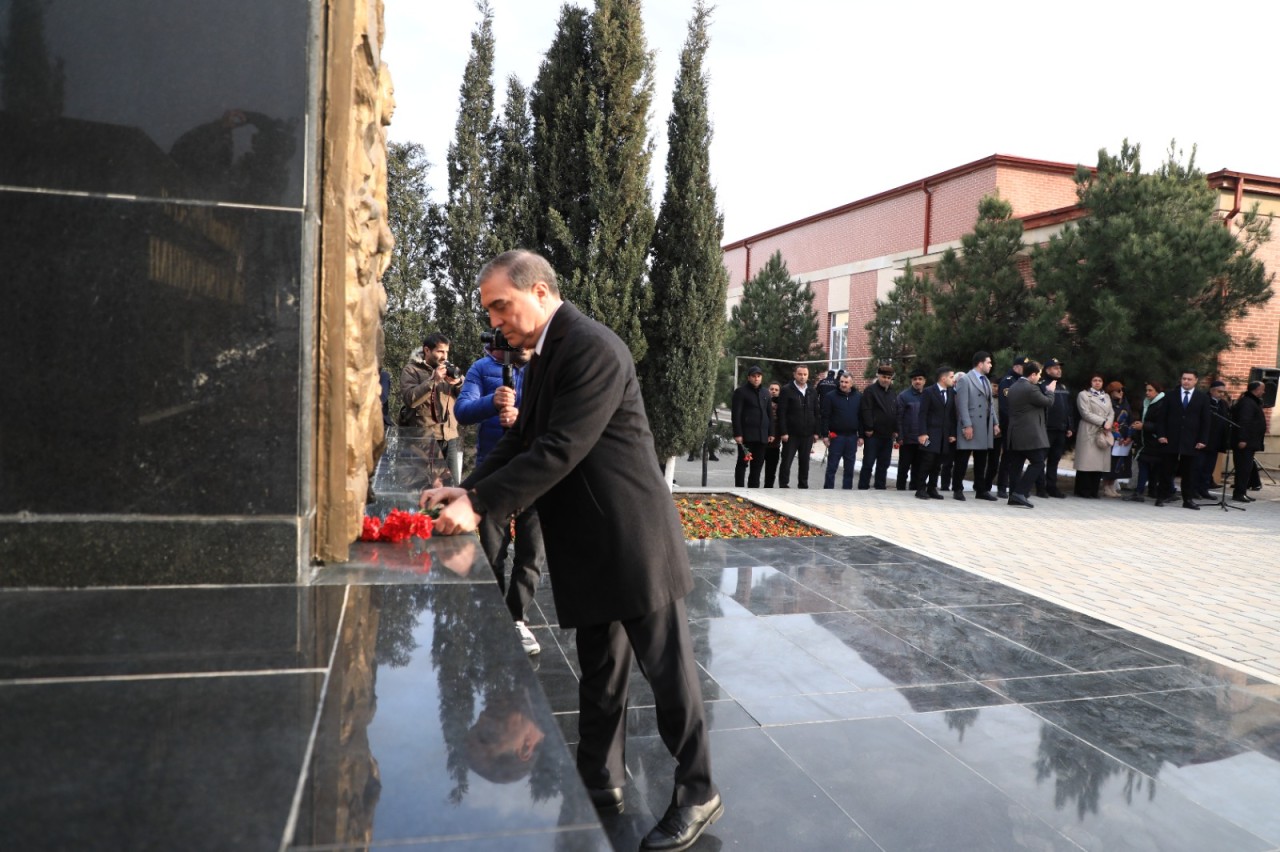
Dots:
pixel 525 268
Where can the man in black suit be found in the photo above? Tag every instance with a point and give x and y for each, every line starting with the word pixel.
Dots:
pixel 938 441
pixel 581 452
pixel 1186 432
pixel 1028 439
pixel 750 409
pixel 798 426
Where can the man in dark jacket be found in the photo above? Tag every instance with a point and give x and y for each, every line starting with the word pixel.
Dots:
pixel 582 453
pixel 910 427
pixel 1001 444
pixel 750 410
pixel 1060 423
pixel 1219 439
pixel 1186 432
pixel 1028 439
pixel 938 440
pixel 840 420
pixel 1246 438
pixel 879 422
pixel 798 425
pixel 486 400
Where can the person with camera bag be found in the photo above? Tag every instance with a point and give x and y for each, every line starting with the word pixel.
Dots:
pixel 491 397
pixel 429 388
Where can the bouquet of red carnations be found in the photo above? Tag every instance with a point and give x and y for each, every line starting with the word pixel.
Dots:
pixel 397 526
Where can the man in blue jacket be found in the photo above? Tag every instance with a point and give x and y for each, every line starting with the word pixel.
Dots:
pixel 840 421
pixel 486 400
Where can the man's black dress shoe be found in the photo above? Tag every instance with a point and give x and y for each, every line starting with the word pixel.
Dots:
pixel 680 827
pixel 1016 499
pixel 1042 494
pixel 985 495
pixel 607 799
pixel 713 457
pixel 957 495
pixel 1002 493
pixel 934 495
pixel 1057 494
pixel 1187 504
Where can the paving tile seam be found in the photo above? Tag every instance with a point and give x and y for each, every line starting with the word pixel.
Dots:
pixel 154 676
pixel 432 839
pixel 295 807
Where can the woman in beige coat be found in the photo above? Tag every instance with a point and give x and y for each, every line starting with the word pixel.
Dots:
pixel 1093 458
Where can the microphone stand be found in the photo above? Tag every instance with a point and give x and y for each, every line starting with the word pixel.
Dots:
pixel 1227 472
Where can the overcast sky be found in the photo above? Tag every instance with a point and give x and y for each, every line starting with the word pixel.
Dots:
pixel 817 103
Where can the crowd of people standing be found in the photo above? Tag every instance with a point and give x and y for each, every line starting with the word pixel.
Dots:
pixel 1013 433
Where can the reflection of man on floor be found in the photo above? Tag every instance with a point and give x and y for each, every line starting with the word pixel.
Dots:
pixel 504 741
pixel 582 453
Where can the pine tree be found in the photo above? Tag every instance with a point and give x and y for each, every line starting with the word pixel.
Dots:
pixel 563 213
pixel 1150 278
pixel 415 222
pixel 511 180
pixel 775 318
pixel 619 150
pixel 893 334
pixel 980 299
pixel 685 328
pixel 467 239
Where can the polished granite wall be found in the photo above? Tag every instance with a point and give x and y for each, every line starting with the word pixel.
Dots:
pixel 154 186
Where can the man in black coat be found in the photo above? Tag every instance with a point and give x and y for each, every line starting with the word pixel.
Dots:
pixel 910 427
pixel 1219 439
pixel 1060 423
pixel 772 450
pixel 1027 439
pixel 1186 432
pixel 879 416
pixel 798 423
pixel 1246 438
pixel 581 452
pixel 938 441
pixel 751 427
pixel 1005 461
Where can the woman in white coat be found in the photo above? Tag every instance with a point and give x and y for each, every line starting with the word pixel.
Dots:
pixel 1093 446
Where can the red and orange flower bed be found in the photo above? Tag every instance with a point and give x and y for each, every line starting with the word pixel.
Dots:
pixel 724 516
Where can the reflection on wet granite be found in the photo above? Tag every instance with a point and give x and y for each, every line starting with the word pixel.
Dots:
pixel 458 721
pixel 1094 799
pixel 767 591
pixel 1057 639
pixel 962 644
pixel 155 631
pixel 176 763
pixel 148 104
pixel 872 767
pixel 440 559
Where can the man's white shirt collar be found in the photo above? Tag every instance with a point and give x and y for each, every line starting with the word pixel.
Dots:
pixel 542 338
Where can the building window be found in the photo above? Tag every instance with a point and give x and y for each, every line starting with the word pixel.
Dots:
pixel 839 322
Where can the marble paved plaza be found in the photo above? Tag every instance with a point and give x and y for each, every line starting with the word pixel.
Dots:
pixel 862 695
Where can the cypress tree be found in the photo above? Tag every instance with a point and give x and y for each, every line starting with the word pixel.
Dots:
pixel 466 239
pixel 1150 277
pixel 685 328
pixel 562 196
pixel 619 150
pixel 511 192
pixel 415 223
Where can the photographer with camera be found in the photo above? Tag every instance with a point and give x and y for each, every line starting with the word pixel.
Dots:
pixel 491 398
pixel 429 387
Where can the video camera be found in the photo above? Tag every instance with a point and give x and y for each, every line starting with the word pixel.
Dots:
pixel 497 342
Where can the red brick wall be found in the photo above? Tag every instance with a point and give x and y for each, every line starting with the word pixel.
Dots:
pixel 1035 192
pixel 955 205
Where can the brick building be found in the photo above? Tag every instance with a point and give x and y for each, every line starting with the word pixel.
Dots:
pixel 851 254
